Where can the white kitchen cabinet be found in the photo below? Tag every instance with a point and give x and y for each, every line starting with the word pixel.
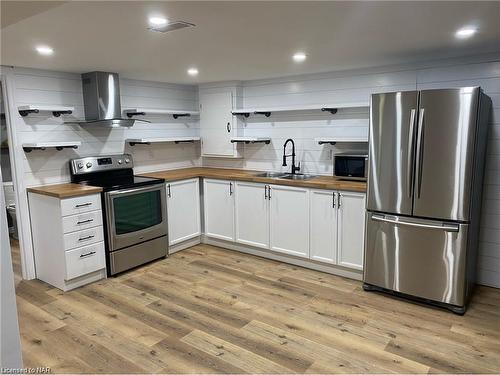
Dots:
pixel 289 220
pixel 217 125
pixel 183 210
pixel 323 226
pixel 218 198
pixel 351 229
pixel 68 239
pixel 252 214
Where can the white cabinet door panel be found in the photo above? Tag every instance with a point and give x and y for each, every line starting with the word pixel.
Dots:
pixel 218 197
pixel 351 229
pixel 216 124
pixel 289 218
pixel 323 226
pixel 252 214
pixel 183 210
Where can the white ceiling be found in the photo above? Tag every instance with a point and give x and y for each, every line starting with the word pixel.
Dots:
pixel 240 40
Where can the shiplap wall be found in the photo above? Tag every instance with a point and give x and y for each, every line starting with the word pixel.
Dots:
pixel 49 88
pixel 50 166
pixel 354 86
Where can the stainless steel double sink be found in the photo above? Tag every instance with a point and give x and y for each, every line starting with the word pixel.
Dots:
pixel 286 176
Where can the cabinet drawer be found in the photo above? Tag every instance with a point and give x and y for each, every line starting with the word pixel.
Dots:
pixel 82 221
pixel 84 260
pixel 83 238
pixel 78 205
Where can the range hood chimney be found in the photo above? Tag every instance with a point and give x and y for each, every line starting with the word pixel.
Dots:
pixel 101 98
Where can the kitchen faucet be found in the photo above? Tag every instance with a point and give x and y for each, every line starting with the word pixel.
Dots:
pixel 294 168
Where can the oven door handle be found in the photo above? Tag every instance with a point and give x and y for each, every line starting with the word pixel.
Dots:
pixel 136 190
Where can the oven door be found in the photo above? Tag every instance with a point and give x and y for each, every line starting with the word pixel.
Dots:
pixel 135 215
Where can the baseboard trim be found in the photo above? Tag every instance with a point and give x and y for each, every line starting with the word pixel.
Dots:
pixel 184 245
pixel 264 253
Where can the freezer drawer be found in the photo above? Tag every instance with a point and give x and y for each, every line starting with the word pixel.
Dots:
pixel 422 258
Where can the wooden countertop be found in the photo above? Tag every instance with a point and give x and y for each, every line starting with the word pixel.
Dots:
pixel 65 190
pixel 319 182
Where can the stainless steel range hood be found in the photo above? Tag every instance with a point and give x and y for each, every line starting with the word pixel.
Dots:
pixel 101 98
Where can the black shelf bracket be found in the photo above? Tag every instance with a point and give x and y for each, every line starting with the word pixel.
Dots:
pixel 58 148
pixel 186 141
pixel 139 143
pixel 177 115
pixel 132 114
pixel 331 110
pixel 26 112
pixel 248 142
pixel 59 113
pixel 267 114
pixel 326 142
pixel 245 114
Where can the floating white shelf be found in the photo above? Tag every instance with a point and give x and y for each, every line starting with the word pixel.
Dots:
pixel 332 140
pixel 147 141
pixel 332 108
pixel 56 110
pixel 247 140
pixel 28 147
pixel 176 113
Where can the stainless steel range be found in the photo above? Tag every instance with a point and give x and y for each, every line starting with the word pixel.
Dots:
pixel 134 210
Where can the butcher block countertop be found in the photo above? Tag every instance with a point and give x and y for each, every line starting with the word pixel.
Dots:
pixel 67 190
pixel 319 182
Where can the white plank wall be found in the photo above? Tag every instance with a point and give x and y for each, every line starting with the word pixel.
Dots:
pixel 50 166
pixel 354 86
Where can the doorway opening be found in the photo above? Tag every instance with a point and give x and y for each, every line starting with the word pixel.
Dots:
pixel 9 190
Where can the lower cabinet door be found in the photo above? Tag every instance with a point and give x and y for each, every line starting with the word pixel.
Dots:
pixel 183 210
pixel 252 214
pixel 218 198
pixel 351 229
pixel 289 218
pixel 323 226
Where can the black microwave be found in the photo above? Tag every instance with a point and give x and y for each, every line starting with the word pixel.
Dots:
pixel 350 166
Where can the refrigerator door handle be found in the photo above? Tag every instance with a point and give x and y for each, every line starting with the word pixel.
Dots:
pixel 446 227
pixel 420 152
pixel 409 162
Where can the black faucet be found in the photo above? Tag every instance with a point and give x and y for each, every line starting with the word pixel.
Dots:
pixel 294 167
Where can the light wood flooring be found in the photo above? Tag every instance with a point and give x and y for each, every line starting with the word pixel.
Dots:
pixel 210 310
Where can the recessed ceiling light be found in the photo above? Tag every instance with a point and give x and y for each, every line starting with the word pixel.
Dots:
pixel 44 50
pixel 192 72
pixel 299 57
pixel 465 32
pixel 157 21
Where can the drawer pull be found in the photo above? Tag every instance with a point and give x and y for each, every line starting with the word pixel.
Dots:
pixel 83 205
pixel 84 221
pixel 86 238
pixel 87 254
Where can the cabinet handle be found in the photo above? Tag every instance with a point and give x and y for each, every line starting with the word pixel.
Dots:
pixel 230 188
pixel 88 254
pixel 169 193
pixel 228 127
pixel 84 221
pixel 333 196
pixel 83 205
pixel 86 238
pixel 339 203
pixel 269 192
pixel 265 191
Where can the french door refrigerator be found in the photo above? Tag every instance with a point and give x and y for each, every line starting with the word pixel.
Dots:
pixel 426 163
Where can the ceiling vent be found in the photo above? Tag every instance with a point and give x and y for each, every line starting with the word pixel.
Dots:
pixel 171 26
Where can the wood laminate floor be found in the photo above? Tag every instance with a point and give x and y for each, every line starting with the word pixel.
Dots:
pixel 210 310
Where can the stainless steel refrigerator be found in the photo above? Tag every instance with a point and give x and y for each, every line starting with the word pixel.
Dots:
pixel 426 163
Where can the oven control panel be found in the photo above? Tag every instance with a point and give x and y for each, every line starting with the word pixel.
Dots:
pixel 101 163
